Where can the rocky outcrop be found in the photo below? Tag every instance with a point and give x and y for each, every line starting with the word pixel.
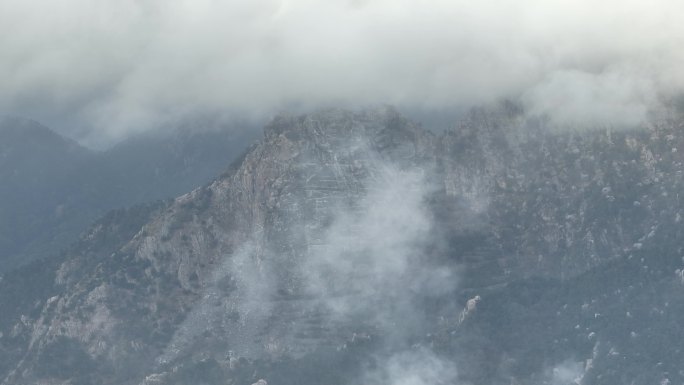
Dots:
pixel 350 234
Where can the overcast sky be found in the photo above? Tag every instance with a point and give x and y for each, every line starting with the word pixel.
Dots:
pixel 108 68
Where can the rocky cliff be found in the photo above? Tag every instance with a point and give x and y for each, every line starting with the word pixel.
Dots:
pixel 343 247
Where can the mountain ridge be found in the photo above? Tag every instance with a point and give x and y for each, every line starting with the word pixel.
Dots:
pixel 339 223
pixel 53 188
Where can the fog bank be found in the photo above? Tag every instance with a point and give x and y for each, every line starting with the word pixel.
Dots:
pixel 103 70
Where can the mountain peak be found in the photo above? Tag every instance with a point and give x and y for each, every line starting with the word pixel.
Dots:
pixel 16 130
pixel 383 129
pixel 335 119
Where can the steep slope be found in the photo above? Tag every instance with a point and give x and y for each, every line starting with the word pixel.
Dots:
pixel 24 293
pixel 561 202
pixel 37 169
pixel 53 189
pixel 587 225
pixel 344 246
pixel 236 247
pixel 162 165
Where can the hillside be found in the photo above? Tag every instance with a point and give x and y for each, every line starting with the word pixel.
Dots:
pixel 344 247
pixel 53 189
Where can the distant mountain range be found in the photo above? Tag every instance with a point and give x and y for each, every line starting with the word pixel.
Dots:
pixel 360 248
pixel 52 188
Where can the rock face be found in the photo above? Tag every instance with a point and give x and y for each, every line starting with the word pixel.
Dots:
pixel 559 203
pixel 343 246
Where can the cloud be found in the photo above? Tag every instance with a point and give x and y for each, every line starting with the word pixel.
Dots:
pixel 576 98
pixel 120 67
pixel 412 367
pixel 349 257
pixel 567 373
pixel 371 263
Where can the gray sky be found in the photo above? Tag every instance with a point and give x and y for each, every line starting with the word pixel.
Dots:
pixel 111 68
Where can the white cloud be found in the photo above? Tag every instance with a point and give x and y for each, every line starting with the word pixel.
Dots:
pixel 567 373
pixel 120 66
pixel 412 367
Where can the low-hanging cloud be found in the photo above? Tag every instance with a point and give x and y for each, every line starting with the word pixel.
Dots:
pixel 122 66
pixel 418 366
pixel 354 264
pixel 372 265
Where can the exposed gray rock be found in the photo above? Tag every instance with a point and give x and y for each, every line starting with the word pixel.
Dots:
pixel 345 224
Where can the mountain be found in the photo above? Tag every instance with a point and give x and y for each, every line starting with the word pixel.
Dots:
pixel 162 165
pixel 53 188
pixel 37 168
pixel 357 247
